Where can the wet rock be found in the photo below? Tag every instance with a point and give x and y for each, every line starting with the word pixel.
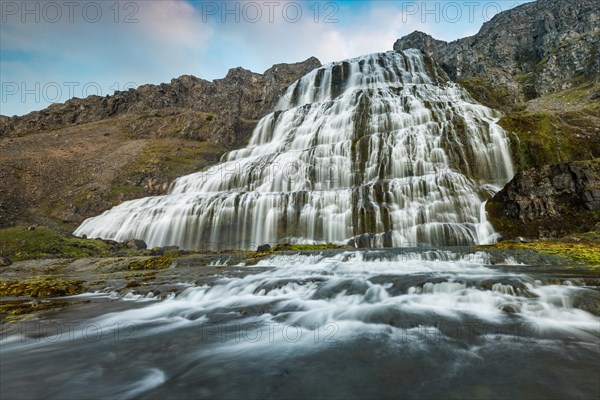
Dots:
pixel 510 308
pixel 587 300
pixel 135 244
pixel 5 262
pixel 157 252
pixel 264 248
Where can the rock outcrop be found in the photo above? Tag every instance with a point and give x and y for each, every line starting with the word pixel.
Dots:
pixel 530 50
pixel 223 111
pixel 551 201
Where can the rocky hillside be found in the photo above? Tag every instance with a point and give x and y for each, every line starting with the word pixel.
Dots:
pixel 77 159
pixel 540 64
pixel 220 111
pixel 525 52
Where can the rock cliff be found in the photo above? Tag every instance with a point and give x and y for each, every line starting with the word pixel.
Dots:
pixel 221 111
pixel 525 52
pixel 551 201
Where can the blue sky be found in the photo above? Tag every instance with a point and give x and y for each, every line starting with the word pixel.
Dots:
pixel 51 51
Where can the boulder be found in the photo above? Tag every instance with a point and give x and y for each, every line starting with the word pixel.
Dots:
pixel 135 244
pixel 263 248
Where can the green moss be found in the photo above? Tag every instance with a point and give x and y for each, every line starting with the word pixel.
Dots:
pixel 583 253
pixel 19 310
pixel 159 262
pixel 485 92
pixel 307 247
pixel 21 244
pixel 541 138
pixel 248 120
pixel 44 287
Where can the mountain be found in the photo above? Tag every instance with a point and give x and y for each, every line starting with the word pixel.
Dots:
pixel 220 111
pixel 74 160
pixel 531 50
pixel 537 63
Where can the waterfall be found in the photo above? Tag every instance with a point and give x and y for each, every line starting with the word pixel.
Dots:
pixel 379 150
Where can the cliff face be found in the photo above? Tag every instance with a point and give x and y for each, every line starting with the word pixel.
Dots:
pixel 551 201
pixel 528 51
pixel 221 112
pixel 78 159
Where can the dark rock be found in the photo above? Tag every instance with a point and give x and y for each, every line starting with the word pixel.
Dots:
pixel 84 236
pixel 587 300
pixel 157 252
pixel 5 261
pixel 31 228
pixel 510 308
pixel 135 244
pixel 263 248
pixel 546 202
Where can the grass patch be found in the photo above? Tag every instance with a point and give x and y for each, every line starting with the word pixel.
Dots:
pixel 21 244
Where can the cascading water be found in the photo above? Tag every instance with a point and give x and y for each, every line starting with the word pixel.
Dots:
pixel 351 324
pixel 378 148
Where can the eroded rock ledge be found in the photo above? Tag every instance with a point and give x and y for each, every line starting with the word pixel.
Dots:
pixel 550 201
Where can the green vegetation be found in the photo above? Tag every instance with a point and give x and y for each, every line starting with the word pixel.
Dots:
pixel 43 286
pixel 485 92
pixel 307 247
pixel 582 253
pixel 22 244
pixel 160 262
pixel 541 138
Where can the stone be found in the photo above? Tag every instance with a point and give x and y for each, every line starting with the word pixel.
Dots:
pixel 135 244
pixel 547 202
pixel 5 261
pixel 510 308
pixel 263 248
pixel 157 252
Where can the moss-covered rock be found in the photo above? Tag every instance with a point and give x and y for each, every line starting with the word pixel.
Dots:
pixel 40 287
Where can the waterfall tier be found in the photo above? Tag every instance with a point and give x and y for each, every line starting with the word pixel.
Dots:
pixel 379 149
